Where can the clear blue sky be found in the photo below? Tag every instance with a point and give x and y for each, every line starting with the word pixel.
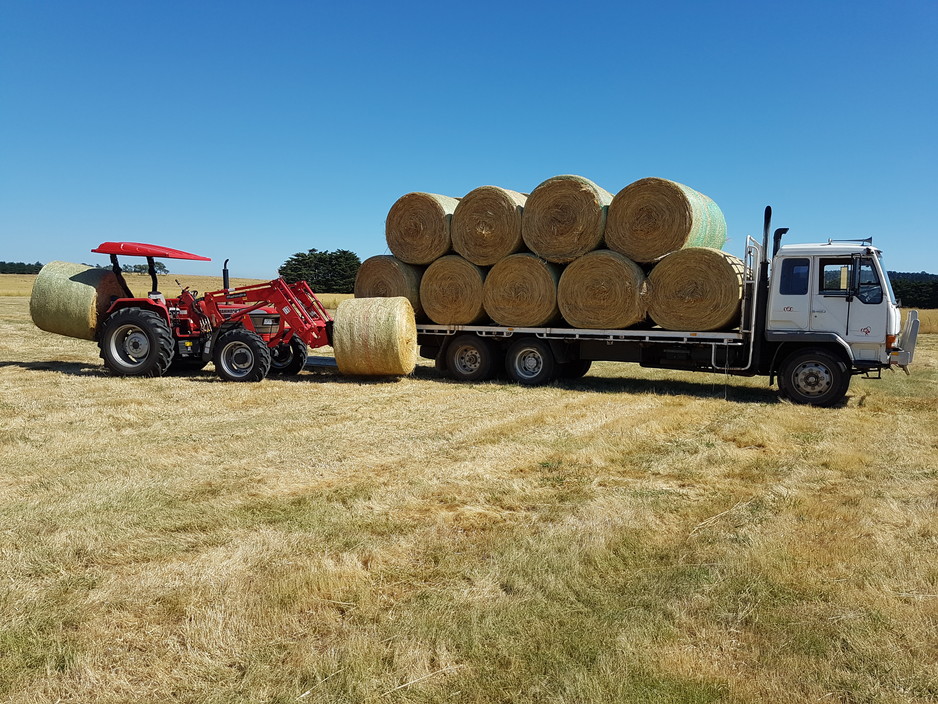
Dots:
pixel 253 130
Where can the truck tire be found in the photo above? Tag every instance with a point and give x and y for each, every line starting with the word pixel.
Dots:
pixel 136 342
pixel 575 369
pixel 290 358
pixel 815 378
pixel 470 358
pixel 531 362
pixel 241 355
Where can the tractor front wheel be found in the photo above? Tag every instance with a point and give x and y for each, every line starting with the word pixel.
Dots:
pixel 288 359
pixel 136 342
pixel 241 355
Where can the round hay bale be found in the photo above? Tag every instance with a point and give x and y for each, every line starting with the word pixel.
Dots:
pixel 602 290
pixel 696 288
pixel 418 227
pixel 486 225
pixel 375 337
pixel 653 216
pixel 70 299
pixel 564 218
pixel 385 276
pixel 451 291
pixel 521 291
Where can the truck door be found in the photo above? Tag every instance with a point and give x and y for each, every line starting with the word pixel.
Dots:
pixel 790 302
pixel 849 299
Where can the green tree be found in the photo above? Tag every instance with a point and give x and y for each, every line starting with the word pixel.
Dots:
pixel 325 272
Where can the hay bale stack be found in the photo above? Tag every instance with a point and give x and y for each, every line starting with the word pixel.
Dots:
pixel 521 291
pixel 451 291
pixel 564 218
pixel 418 227
pixel 385 276
pixel 375 337
pixel 602 290
pixel 70 299
pixel 486 224
pixel 653 216
pixel 696 288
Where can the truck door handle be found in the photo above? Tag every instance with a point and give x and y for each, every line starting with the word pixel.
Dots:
pixel 818 311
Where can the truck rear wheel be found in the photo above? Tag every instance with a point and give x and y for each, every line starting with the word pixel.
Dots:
pixel 241 355
pixel 136 342
pixel 530 361
pixel 470 358
pixel 814 378
pixel 575 369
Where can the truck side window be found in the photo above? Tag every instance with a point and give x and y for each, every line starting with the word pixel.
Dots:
pixel 835 276
pixel 794 281
pixel 871 291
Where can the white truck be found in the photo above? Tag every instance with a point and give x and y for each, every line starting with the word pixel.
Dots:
pixel 812 318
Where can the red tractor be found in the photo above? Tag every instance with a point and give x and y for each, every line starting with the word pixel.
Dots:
pixel 247 332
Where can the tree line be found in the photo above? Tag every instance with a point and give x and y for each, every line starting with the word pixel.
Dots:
pixel 325 272
pixel 915 290
pixel 19 268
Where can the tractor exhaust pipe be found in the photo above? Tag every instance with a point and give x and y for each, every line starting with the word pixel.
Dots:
pixel 225 281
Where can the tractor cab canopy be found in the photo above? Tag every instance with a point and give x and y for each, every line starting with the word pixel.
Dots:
pixel 139 249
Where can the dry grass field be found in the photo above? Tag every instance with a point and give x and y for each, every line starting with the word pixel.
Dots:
pixel 634 536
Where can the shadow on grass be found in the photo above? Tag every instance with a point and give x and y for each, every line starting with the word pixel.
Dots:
pixel 70 368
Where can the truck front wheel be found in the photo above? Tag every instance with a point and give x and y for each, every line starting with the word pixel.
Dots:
pixel 531 362
pixel 815 378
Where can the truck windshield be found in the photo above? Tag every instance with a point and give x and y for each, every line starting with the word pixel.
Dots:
pixel 886 282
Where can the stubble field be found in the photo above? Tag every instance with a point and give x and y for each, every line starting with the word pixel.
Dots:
pixel 633 536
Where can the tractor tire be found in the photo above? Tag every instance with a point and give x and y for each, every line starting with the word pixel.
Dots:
pixel 814 378
pixel 241 355
pixel 470 358
pixel 136 342
pixel 288 359
pixel 531 362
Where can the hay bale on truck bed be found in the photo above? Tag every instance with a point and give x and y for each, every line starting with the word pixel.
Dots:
pixel 385 276
pixel 521 291
pixel 417 228
pixel 653 216
pixel 69 299
pixel 486 225
pixel 564 218
pixel 375 337
pixel 697 288
pixel 451 291
pixel 602 290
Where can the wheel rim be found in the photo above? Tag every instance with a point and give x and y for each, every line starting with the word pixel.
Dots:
pixel 281 356
pixel 812 379
pixel 130 346
pixel 529 362
pixel 237 359
pixel 467 359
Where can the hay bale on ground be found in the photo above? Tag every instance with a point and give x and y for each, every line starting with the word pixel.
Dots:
pixel 486 225
pixel 653 216
pixel 451 291
pixel 602 290
pixel 70 299
pixel 418 227
pixel 564 218
pixel 696 288
pixel 375 337
pixel 521 291
pixel 385 276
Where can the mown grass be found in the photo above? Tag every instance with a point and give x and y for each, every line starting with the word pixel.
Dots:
pixel 634 536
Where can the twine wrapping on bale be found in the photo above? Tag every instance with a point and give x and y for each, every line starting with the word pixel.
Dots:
pixel 451 291
pixel 486 225
pixel 385 276
pixel 564 218
pixel 521 291
pixel 418 227
pixel 653 216
pixel 696 288
pixel 375 337
pixel 70 299
pixel 602 290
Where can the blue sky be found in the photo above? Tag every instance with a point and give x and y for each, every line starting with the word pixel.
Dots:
pixel 253 130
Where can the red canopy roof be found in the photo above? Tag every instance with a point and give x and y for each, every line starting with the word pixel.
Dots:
pixel 138 249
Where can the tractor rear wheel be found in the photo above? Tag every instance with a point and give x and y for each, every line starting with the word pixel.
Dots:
pixel 288 359
pixel 136 342
pixel 241 355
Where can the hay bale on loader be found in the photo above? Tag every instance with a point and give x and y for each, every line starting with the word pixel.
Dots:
pixel 653 216
pixel 486 225
pixel 602 290
pixel 521 291
pixel 70 299
pixel 375 337
pixel 385 276
pixel 417 228
pixel 451 291
pixel 564 218
pixel 697 288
